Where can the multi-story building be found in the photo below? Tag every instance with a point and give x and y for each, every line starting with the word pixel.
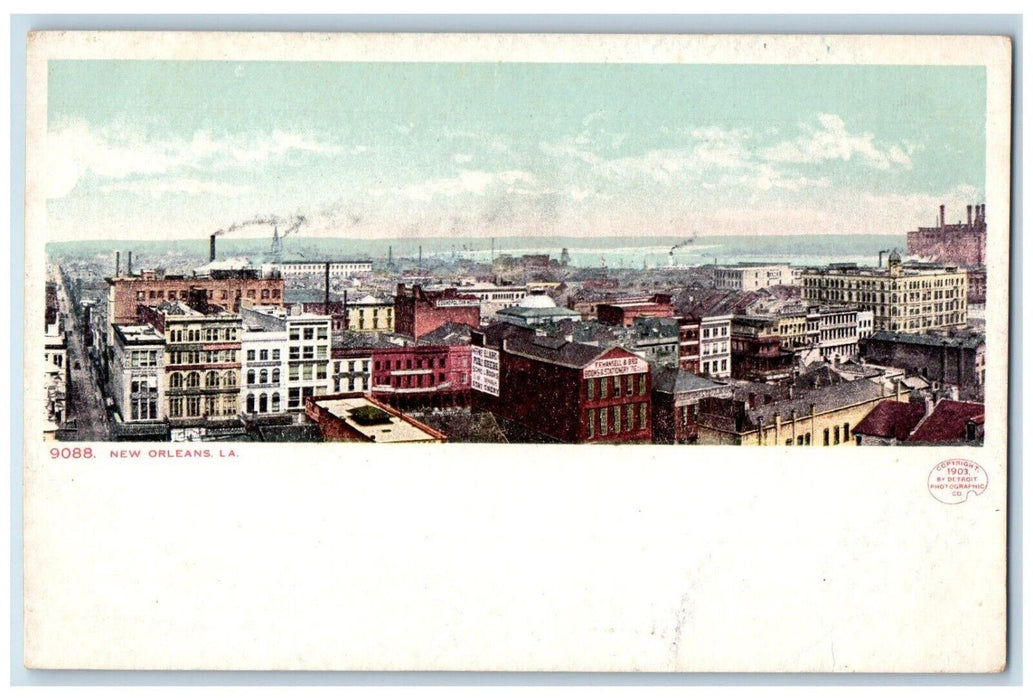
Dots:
pixel 833 330
pixel 676 397
pixel 418 311
pixel 549 389
pixel 370 314
pixel 55 363
pixel 536 310
pixel 757 352
pixel 688 344
pixel 494 297
pixel 820 416
pixel 264 348
pixel 657 340
pixel 338 268
pixel 138 373
pixel 746 277
pixel 432 374
pixel 914 298
pixel 230 289
pixel 307 350
pixel 625 312
pixel 958 360
pixel 961 244
pixel 201 366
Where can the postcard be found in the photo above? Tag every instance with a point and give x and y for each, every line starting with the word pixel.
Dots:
pixel 516 352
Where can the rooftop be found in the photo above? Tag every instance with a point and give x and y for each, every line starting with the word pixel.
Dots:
pixel 671 380
pixel 377 422
pixel 966 342
pixel 138 334
pixel 948 422
pixel 891 419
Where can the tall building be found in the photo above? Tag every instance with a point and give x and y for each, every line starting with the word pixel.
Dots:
pixel 370 314
pixel 55 363
pixel 230 289
pixel 558 391
pixel 962 243
pixel 746 277
pixel 201 367
pixel 307 350
pixel 138 373
pixel 264 348
pixel 418 311
pixel 909 297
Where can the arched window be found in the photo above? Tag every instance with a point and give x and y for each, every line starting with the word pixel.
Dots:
pixel 276 376
pixel 229 379
pixel 175 380
pixel 275 406
pixel 251 376
pixel 263 403
pixel 211 379
pixel 193 380
pixel 250 403
pixel 263 376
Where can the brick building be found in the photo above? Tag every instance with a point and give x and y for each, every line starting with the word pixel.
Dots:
pixel 230 289
pixel 418 311
pixel 757 352
pixel 963 243
pixel 418 376
pixel 958 360
pixel 624 312
pixel 676 397
pixel 559 391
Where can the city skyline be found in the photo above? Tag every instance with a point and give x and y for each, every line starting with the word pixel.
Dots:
pixel 181 149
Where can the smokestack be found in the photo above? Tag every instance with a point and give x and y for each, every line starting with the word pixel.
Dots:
pixel 390 255
pixel 118 263
pixel 129 263
pixel 421 256
pixel 493 249
pixel 943 217
pixel 211 248
pixel 969 209
pixel 326 289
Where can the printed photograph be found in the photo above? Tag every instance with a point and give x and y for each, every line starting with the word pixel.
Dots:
pixel 690 254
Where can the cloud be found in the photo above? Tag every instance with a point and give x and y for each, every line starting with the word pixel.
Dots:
pixel 475 182
pixel 76 149
pixel 830 140
pixel 160 188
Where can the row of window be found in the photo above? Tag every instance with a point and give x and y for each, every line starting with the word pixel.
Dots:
pixel 262 403
pixel 202 357
pixel 623 385
pixel 263 355
pixel 835 437
pixel 309 332
pixel 198 406
pixel 143 358
pixel 307 372
pixel 629 417
pixel 408 363
pixel 718 332
pixel 263 376
pixel 198 335
pixel 715 366
pixel 308 352
pixel 212 380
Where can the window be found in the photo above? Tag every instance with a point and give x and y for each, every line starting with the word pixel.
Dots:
pixel 603 423
pixel 250 355
pixel 604 390
pixel 263 355
pixel 193 406
pixel 846 432
pixel 591 419
pixel 229 379
pixel 193 380
pixel 275 404
pixel 293 398
pixel 826 437
pixel 321 333
pixel 309 333
pixel 211 379
pixel 265 295
pixel 295 353
pixel 276 354
pixel 276 376
pixel 175 380
pixel 263 377
pixel 176 407
pixel 591 391
pixel 629 418
pixel 295 334
pixel 293 373
pixel 835 435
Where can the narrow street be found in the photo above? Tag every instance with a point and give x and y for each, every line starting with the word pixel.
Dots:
pixel 85 402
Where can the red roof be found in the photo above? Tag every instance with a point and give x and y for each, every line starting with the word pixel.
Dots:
pixel 891 419
pixel 948 422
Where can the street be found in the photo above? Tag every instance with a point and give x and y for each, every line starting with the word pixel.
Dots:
pixel 85 403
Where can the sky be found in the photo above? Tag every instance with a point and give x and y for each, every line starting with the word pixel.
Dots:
pixel 179 149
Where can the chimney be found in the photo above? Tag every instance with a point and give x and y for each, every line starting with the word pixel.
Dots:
pixel 943 216
pixel 211 248
pixel 969 209
pixel 129 263
pixel 943 363
pixel 118 263
pixel 421 256
pixel 899 393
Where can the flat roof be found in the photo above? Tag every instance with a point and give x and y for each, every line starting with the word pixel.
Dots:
pixel 392 426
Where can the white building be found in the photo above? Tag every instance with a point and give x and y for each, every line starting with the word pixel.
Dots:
pixel 834 330
pixel 338 268
pixel 264 370
pixel 494 297
pixel 750 276
pixel 55 371
pixel 307 350
pixel 138 373
pixel 351 374
pixel 715 345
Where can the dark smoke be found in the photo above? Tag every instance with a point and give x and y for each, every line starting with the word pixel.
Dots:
pixel 294 223
pixel 684 243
